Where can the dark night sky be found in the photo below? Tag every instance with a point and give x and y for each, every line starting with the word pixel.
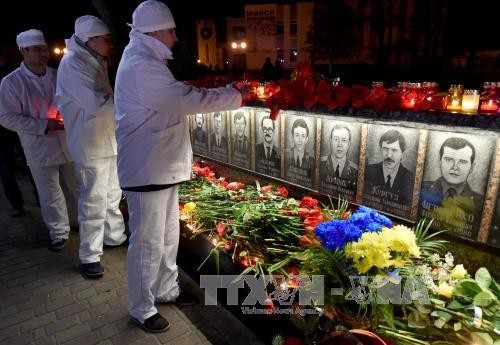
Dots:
pixel 56 17
pixel 473 25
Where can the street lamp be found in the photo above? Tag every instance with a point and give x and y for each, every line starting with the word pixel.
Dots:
pixel 241 45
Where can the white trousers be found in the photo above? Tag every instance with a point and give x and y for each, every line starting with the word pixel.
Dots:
pixel 152 251
pixel 99 217
pixel 54 205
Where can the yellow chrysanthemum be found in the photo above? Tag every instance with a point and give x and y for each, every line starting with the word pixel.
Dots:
pixel 189 206
pixel 384 249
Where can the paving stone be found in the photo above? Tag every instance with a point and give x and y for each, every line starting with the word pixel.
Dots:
pixel 126 337
pixel 62 292
pixel 19 340
pixel 72 332
pixel 148 340
pixel 102 298
pixel 36 322
pixel 6 311
pixel 86 293
pixel 45 289
pixel 87 339
pixel 176 330
pixel 9 332
pixel 40 310
pixel 15 318
pixel 97 322
pixel 117 314
pixel 33 302
pixel 108 331
pixel 80 286
pixel 38 333
pixel 70 310
pixel 107 286
pixel 84 316
pixel 187 339
pixel 45 341
pixel 59 303
pixel 61 325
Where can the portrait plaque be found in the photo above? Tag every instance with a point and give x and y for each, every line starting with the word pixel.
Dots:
pixel 339 163
pixel 455 179
pixel 300 142
pixel 241 143
pixel 268 146
pixel 218 136
pixel 199 133
pixel 391 157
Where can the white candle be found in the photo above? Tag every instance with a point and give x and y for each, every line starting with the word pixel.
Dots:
pixel 470 101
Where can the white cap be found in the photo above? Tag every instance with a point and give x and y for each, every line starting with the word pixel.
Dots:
pixel 89 26
pixel 152 15
pixel 30 38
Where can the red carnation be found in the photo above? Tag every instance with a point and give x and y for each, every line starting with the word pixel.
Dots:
pixel 283 192
pixel 359 94
pixel 309 202
pixel 221 229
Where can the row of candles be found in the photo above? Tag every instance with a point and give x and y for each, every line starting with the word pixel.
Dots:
pixel 470 100
pixel 456 100
pixel 424 96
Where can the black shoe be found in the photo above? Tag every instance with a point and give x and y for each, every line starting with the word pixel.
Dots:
pixel 185 299
pixel 123 244
pixel 93 270
pixel 57 244
pixel 154 324
pixel 18 212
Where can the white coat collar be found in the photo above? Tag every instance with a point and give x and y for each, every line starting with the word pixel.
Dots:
pixel 158 49
pixel 25 70
pixel 75 45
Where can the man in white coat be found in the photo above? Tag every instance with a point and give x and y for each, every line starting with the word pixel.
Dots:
pixel 85 98
pixel 154 155
pixel 27 106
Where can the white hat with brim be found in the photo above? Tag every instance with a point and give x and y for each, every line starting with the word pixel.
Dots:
pixel 30 38
pixel 90 26
pixel 152 15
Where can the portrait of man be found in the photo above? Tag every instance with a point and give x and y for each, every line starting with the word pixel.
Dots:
pixel 450 199
pixel 339 173
pixel 241 139
pixel 267 152
pixel 388 183
pixel 218 139
pixel 300 161
pixel 200 136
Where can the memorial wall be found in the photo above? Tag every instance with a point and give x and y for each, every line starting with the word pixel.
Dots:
pixel 407 169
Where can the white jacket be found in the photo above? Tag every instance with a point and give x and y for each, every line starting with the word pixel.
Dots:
pixel 26 102
pixel 85 98
pixel 151 115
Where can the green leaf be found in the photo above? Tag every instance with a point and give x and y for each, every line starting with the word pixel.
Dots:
pixel 483 278
pixel 438 302
pixel 484 298
pixel 442 315
pixel 457 326
pixel 279 265
pixel 439 323
pixel 480 338
pixel 416 320
pixel 386 313
pixel 455 305
pixel 468 288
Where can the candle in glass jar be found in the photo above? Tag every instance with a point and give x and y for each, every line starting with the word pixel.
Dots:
pixel 470 101
pixel 455 97
pixel 490 106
